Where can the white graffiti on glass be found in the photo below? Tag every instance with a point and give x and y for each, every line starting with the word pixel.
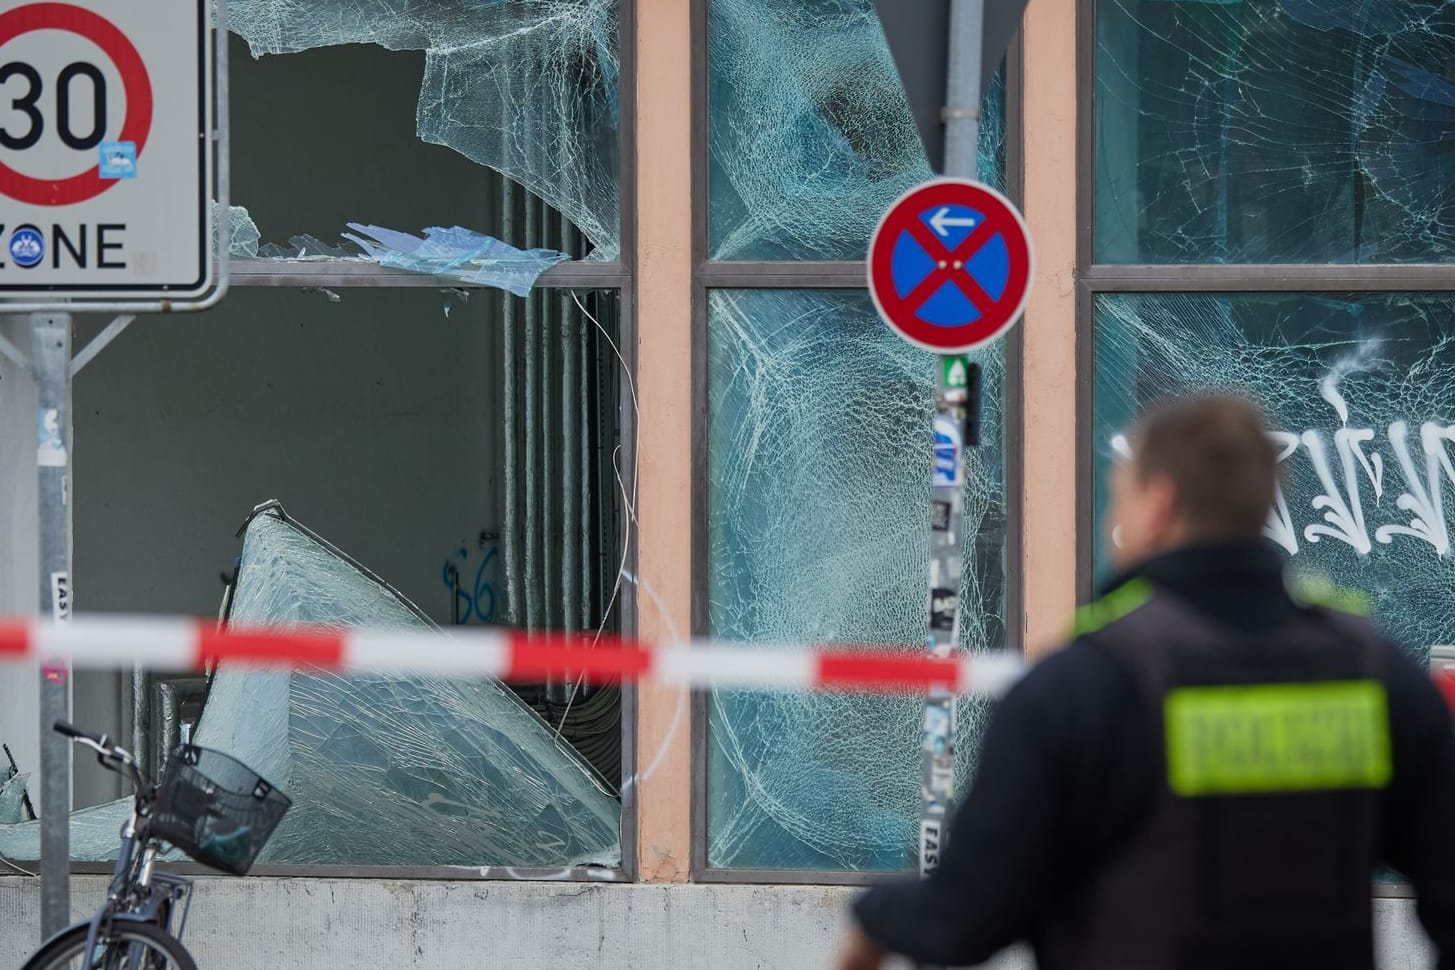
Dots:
pixel 1355 470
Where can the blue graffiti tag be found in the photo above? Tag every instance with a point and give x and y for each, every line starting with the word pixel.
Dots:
pixel 473 602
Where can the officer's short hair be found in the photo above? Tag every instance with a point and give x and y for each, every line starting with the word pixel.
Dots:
pixel 1216 451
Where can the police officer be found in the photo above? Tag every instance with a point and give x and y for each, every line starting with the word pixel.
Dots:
pixel 1211 774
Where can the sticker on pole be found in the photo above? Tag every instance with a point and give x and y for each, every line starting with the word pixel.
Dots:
pixel 106 160
pixel 950 266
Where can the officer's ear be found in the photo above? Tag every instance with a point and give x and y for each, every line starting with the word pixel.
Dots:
pixel 1161 510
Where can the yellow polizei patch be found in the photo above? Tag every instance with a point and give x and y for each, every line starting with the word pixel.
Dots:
pixel 1277 738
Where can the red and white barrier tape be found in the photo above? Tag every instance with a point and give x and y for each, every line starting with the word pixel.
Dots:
pixel 181 644
pixel 1442 669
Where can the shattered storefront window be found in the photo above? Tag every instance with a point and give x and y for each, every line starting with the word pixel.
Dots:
pixel 819 437
pixel 819 529
pixel 441 117
pixel 466 445
pixel 385 771
pixel 1360 392
pixel 1274 131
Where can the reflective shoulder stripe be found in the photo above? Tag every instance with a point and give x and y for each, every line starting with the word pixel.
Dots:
pixel 1113 606
pixel 1318 591
pixel 1264 738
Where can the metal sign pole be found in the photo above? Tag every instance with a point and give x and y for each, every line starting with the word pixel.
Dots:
pixel 172 186
pixel 50 343
pixel 956 427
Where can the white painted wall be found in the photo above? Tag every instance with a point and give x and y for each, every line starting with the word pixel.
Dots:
pixel 323 924
pixel 373 419
pixel 19 547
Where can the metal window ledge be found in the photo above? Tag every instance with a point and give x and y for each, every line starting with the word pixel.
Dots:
pixel 344 273
pixel 782 275
pixel 1268 278
pixel 587 874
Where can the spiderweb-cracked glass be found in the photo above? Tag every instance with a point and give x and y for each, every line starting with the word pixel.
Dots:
pixel 394 770
pixel 529 88
pixel 810 134
pixel 819 529
pixel 1361 396
pixel 1275 131
pixel 819 441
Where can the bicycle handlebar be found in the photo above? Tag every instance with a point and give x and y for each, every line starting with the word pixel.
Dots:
pixel 71 731
pixel 111 756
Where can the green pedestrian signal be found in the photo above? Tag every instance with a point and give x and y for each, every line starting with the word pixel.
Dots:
pixel 957 372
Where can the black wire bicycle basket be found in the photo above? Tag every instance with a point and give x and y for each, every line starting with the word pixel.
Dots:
pixel 216 809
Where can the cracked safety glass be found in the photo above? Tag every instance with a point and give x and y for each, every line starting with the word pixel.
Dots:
pixel 818 505
pixel 1274 131
pixel 436 119
pixel 810 135
pixel 819 420
pixel 1358 392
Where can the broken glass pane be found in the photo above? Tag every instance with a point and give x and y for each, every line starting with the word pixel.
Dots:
pixel 457 253
pixel 1274 131
pixel 344 132
pixel 12 798
pixel 819 431
pixel 382 771
pixel 810 134
pixel 1359 392
pixel 391 770
pixel 243 241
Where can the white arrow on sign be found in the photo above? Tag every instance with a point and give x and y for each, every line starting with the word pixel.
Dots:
pixel 942 220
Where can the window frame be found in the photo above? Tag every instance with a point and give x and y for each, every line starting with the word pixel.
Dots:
pixel 714 274
pixel 616 275
pixel 1094 279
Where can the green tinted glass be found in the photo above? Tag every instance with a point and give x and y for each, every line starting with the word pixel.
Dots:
pixel 1277 738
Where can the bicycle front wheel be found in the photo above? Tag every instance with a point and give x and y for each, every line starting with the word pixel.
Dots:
pixel 121 946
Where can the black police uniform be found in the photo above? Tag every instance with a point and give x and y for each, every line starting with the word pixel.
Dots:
pixel 1208 777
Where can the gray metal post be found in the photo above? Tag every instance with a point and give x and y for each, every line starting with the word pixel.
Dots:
pixel 963 93
pixel 956 426
pixel 50 349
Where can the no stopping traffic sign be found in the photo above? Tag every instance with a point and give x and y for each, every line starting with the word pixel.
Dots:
pixel 950 265
pixel 106 162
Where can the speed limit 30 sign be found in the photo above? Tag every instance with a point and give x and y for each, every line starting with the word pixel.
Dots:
pixel 106 162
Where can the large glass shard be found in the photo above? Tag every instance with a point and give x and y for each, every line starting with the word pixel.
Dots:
pixel 810 134
pixel 1360 392
pixel 388 770
pixel 12 798
pixel 530 89
pixel 1274 131
pixel 457 253
pixel 819 524
pixel 382 771
pixel 243 237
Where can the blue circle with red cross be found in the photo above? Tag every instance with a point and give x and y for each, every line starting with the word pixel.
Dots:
pixel 950 265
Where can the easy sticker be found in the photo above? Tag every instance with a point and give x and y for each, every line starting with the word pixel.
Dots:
pixel 60 597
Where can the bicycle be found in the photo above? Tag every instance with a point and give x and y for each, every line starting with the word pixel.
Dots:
pixel 210 806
